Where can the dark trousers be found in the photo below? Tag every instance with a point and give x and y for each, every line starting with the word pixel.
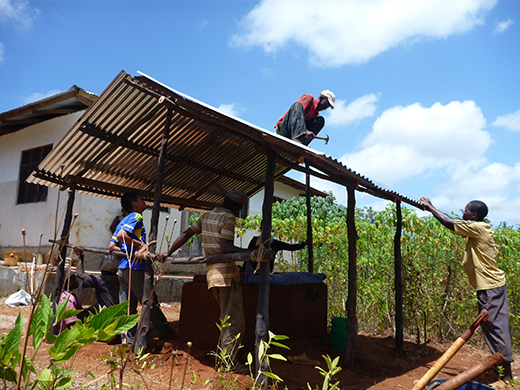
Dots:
pixel 496 328
pixel 141 289
pixel 294 124
pixel 229 300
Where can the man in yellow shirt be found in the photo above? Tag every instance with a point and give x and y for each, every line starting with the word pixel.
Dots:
pixel 484 275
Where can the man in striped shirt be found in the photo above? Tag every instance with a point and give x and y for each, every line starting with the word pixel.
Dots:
pixel 218 230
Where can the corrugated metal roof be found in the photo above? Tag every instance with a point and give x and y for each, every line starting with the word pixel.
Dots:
pixel 115 146
pixel 72 100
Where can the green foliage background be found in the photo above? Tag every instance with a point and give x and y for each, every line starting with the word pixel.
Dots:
pixel 437 295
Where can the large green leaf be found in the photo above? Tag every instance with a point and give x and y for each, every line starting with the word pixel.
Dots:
pixel 11 342
pixel 108 314
pixel 46 378
pixel 65 340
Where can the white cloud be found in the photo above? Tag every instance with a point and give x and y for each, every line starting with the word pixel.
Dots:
pixel 360 108
pixel 338 32
pixel 229 109
pixel 338 191
pixel 414 140
pixel 19 12
pixel 2 49
pixel 35 96
pixel 492 183
pixel 509 121
pixel 503 26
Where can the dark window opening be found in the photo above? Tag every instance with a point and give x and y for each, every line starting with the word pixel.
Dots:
pixel 31 193
pixel 244 210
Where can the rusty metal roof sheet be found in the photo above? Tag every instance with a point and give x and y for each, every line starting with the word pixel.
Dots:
pixel 72 100
pixel 114 147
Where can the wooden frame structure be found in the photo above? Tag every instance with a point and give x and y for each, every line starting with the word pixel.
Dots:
pixel 179 152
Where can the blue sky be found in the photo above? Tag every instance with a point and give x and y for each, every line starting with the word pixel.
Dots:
pixel 427 92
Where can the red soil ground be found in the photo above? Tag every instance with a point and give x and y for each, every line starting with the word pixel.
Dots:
pixel 378 366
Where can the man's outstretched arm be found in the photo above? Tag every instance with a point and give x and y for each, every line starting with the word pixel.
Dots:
pixel 439 215
pixel 180 241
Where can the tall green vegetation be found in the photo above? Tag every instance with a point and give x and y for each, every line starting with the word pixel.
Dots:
pixel 437 295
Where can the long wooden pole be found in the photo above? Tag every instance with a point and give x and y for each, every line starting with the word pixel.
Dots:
pixel 267 255
pixel 310 247
pixel 398 276
pixel 60 267
pixel 154 223
pixel 472 373
pixel 351 307
pixel 262 310
pixel 452 350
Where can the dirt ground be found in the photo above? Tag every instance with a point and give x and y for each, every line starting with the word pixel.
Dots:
pixel 378 366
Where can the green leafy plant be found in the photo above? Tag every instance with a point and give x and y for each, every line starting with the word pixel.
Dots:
pixel 102 326
pixel 225 360
pixel 264 362
pixel 333 369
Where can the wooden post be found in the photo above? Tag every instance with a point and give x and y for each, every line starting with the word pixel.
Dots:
pixel 60 267
pixel 154 223
pixel 310 248
pixel 262 310
pixel 398 266
pixel 350 343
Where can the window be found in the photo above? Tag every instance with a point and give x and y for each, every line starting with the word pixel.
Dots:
pixel 30 193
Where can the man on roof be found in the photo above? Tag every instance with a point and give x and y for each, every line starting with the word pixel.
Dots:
pixel 301 121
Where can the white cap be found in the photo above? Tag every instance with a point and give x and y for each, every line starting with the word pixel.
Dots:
pixel 330 97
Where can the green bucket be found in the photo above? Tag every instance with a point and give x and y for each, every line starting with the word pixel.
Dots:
pixel 338 334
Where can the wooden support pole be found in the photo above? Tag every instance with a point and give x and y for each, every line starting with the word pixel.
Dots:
pixel 154 223
pixel 262 310
pixel 267 255
pixel 60 267
pixel 350 343
pixel 310 248
pixel 398 272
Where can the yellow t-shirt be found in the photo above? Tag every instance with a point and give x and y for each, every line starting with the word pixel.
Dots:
pixel 479 259
pixel 214 225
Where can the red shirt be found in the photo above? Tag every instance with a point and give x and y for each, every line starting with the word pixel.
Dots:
pixel 309 107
